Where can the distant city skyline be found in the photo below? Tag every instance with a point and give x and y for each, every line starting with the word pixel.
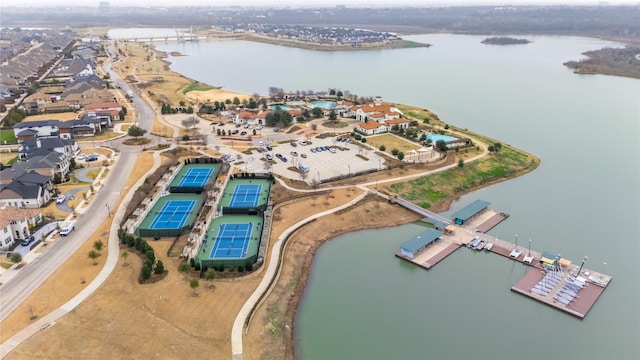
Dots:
pixel 311 3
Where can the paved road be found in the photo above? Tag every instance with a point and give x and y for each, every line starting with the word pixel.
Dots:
pixel 68 196
pixel 23 282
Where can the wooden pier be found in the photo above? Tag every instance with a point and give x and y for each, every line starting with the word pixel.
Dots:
pixel 578 305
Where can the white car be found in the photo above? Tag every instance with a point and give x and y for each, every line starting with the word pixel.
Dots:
pixel 81 156
pixel 67 229
pixel 60 199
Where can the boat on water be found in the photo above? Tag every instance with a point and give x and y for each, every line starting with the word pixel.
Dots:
pixel 480 245
pixel 473 243
pixel 488 246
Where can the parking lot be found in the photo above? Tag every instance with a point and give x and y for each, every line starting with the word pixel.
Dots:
pixel 322 164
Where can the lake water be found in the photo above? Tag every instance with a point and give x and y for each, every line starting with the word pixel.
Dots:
pixel 583 200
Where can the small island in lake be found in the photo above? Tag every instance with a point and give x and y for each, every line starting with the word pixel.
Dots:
pixel 504 41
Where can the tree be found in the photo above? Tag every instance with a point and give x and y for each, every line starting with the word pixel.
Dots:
pixel 400 155
pixel 124 255
pixel 394 151
pixel 210 274
pixel 316 112
pixel 135 131
pixel 441 145
pixel 15 257
pixel 332 92
pixel 184 267
pixel 236 101
pixel 339 94
pixel 145 270
pixel 159 268
pixel 314 127
pixel 333 116
pixel 93 255
pixel 497 147
pixel 460 163
pixel 194 284
pixel 190 122
pixel 98 245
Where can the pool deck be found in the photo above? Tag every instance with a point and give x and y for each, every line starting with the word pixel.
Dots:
pixel 586 298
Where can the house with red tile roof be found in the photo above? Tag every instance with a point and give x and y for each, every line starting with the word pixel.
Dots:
pixel 372 128
pixel 376 111
pixel 16 224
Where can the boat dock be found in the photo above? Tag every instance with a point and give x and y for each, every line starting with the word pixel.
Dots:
pixel 552 280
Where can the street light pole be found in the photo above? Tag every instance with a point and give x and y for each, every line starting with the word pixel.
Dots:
pixel 516 241
pixel 529 251
pixel 581 265
pixel 108 210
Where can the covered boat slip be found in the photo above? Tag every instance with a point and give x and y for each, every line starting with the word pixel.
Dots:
pixel 470 211
pixel 428 248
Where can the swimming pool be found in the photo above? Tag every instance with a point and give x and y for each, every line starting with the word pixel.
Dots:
pixel 446 138
pixel 323 104
pixel 281 107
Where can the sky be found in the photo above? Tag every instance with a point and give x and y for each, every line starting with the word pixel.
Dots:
pixel 308 3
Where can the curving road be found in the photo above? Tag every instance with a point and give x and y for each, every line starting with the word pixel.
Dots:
pixel 20 284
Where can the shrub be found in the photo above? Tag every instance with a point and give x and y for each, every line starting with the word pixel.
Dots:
pixel 159 268
pixel 240 268
pixel 197 267
pixel 145 271
pixel 248 266
pixel 150 255
pixel 156 238
pixel 364 139
pixel 394 152
pixel 460 163
pixel 382 148
pixel 192 262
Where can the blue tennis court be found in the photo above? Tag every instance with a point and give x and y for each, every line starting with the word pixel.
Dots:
pixel 195 177
pixel 231 241
pixel 173 215
pixel 245 195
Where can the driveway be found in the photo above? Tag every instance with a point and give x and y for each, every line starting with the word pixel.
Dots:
pixel 40 234
pixel 81 174
pixel 68 196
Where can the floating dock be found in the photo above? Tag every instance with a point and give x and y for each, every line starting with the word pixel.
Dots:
pixel 566 287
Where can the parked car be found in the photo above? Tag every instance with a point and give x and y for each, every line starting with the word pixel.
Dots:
pixel 67 229
pixel 91 158
pixel 268 157
pixel 303 155
pixel 243 133
pixel 248 126
pixel 81 156
pixel 28 240
pixel 293 153
pixel 269 148
pixel 259 127
pixel 60 199
pixel 238 125
pixel 234 132
pixel 276 129
pixel 313 150
pixel 332 150
pixel 294 144
pixel 302 142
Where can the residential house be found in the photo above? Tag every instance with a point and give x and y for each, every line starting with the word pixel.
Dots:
pixel 42 128
pixel 44 162
pixel 16 224
pixel 401 123
pixel 29 190
pixel 44 145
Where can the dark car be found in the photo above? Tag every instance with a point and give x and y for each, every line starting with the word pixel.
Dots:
pixel 28 240
pixel 243 133
pixel 294 144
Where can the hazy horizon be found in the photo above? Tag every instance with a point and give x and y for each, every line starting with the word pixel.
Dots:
pixel 313 3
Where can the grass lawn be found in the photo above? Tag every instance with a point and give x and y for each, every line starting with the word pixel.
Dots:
pixel 7 137
pixel 392 142
pixel 427 191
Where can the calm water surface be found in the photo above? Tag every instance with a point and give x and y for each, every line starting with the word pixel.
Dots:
pixel 363 303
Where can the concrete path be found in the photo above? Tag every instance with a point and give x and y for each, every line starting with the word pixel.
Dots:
pixel 273 270
pixel 81 174
pixel 18 285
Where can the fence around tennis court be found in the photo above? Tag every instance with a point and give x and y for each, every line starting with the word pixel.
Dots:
pixel 197 163
pixel 145 230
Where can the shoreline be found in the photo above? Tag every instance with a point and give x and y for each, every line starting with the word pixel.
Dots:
pixel 294 296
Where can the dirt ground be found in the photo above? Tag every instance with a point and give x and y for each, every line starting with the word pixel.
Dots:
pixel 66 282
pixel 64 116
pixel 214 95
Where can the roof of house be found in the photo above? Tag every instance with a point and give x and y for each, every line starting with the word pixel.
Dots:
pixel 12 213
pixel 32 177
pixel 422 240
pixel 27 132
pixel 396 121
pixel 370 125
pixel 38 123
pixel 16 188
pixel 103 106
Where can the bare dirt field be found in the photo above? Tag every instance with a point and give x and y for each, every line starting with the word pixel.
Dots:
pixel 66 282
pixel 64 116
